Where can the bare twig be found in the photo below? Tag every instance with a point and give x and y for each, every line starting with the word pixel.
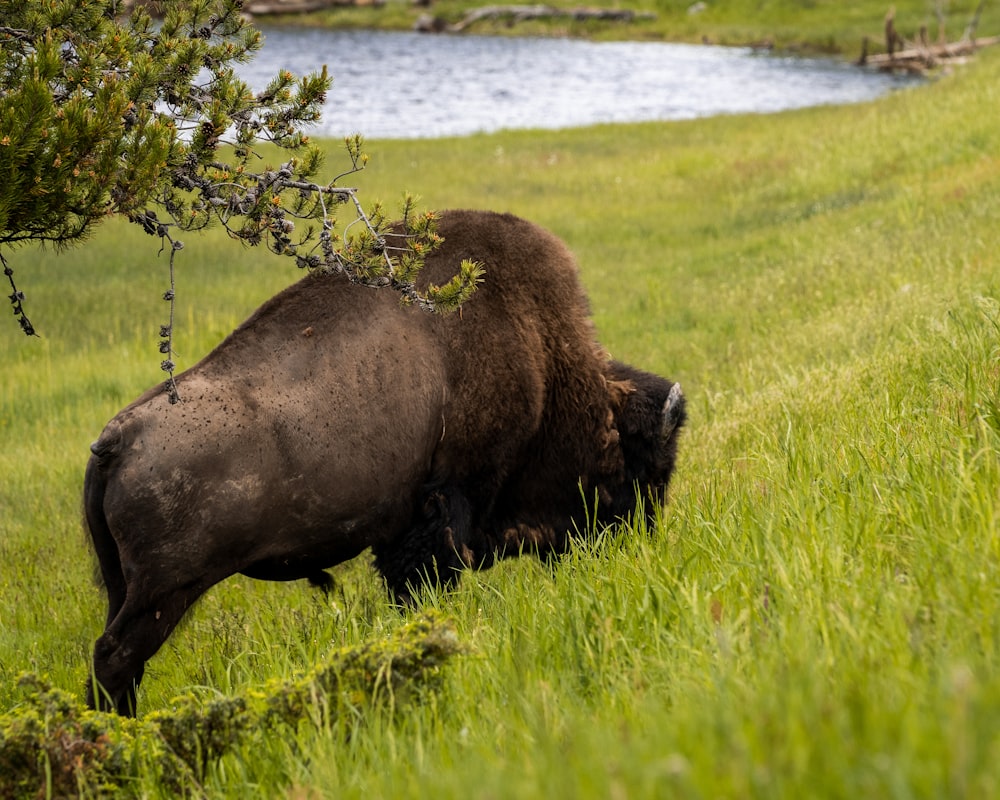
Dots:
pixel 167 332
pixel 17 300
pixel 970 29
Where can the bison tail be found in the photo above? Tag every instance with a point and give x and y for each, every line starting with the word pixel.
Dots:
pixel 109 442
pixel 109 571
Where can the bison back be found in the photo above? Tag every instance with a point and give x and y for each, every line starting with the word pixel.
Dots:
pixel 306 436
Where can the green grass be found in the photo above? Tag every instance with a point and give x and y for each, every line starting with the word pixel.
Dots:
pixel 817 611
pixel 814 26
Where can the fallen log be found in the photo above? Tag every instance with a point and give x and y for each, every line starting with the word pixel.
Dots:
pixel 921 56
pixel 926 56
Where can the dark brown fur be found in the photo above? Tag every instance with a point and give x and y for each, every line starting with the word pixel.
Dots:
pixel 334 419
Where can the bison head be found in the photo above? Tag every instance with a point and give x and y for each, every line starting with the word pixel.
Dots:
pixel 648 414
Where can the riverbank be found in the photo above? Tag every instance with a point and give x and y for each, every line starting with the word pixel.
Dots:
pixel 827 27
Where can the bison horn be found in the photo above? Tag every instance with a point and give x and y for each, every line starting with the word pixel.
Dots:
pixel 673 412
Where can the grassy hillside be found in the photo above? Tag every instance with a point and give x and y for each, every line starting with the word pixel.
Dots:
pixel 817 26
pixel 817 611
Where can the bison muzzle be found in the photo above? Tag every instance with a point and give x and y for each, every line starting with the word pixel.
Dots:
pixel 337 419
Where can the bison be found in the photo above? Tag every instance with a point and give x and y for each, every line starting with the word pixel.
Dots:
pixel 337 419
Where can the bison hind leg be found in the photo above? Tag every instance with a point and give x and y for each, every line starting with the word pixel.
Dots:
pixel 433 551
pixel 141 626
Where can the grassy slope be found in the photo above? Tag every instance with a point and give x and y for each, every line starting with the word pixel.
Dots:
pixel 816 614
pixel 827 26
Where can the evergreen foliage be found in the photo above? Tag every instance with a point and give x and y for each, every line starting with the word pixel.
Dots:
pixel 102 116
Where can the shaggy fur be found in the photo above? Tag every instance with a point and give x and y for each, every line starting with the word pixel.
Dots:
pixel 334 419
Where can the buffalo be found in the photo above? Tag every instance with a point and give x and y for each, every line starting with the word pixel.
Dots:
pixel 337 419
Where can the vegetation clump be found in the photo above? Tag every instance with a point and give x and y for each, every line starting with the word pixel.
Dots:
pixel 51 745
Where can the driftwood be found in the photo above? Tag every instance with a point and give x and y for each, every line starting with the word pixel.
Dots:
pixel 921 56
pixel 520 13
pixel 927 56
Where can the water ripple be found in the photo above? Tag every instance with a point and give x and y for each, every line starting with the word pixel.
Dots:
pixel 409 85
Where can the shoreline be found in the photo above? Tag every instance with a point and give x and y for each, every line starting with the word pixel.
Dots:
pixel 801 33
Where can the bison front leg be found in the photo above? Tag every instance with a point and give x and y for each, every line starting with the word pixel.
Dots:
pixel 433 551
pixel 128 642
pixel 322 580
pixel 542 540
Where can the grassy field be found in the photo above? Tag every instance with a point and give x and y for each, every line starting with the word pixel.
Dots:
pixel 815 26
pixel 817 611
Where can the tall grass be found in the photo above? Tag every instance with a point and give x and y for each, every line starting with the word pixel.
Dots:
pixel 816 613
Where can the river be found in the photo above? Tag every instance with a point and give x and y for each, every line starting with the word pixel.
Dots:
pixel 411 85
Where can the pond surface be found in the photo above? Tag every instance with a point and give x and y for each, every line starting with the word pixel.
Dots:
pixel 412 85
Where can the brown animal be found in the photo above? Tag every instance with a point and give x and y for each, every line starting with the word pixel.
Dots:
pixel 336 419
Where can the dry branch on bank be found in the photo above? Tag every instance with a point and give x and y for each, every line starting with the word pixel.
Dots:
pixel 921 55
pixel 926 57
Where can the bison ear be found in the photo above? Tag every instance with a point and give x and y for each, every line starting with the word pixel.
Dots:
pixel 673 414
pixel 618 393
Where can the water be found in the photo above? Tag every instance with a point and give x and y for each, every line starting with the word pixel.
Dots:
pixel 410 85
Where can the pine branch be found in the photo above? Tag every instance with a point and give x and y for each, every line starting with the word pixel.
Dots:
pixel 100 118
